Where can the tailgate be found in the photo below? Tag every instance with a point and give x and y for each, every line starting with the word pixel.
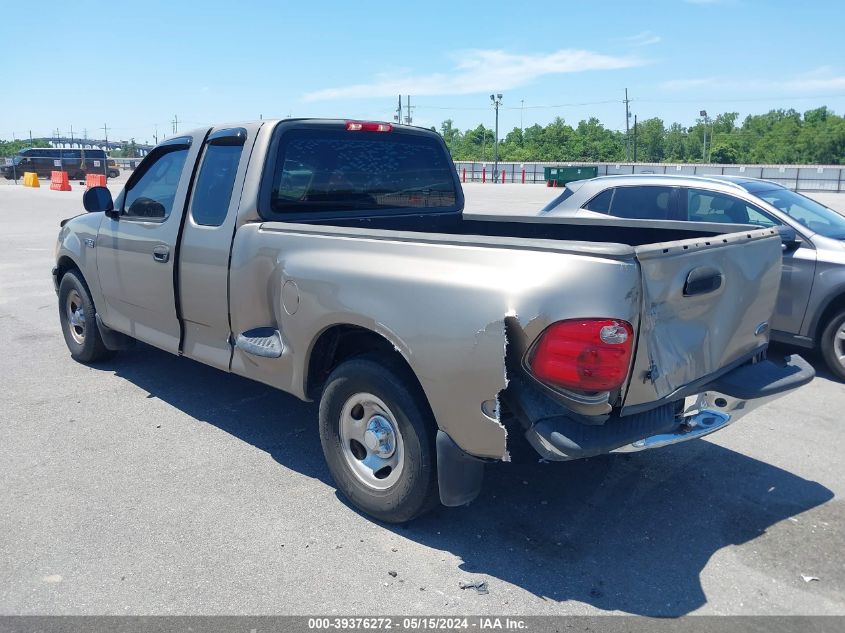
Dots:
pixel 705 307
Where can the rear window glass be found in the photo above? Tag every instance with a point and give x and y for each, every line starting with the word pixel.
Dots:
pixel 642 203
pixel 567 193
pixel 339 170
pixel 601 203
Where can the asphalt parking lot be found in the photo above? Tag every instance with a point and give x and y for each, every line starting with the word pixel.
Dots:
pixel 151 484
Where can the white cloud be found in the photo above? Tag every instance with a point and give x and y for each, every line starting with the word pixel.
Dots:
pixel 812 84
pixel 823 78
pixel 819 80
pixel 646 38
pixel 479 71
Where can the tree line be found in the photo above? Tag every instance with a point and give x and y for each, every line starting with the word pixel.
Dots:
pixel 777 137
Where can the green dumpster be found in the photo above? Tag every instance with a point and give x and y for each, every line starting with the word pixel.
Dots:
pixel 559 176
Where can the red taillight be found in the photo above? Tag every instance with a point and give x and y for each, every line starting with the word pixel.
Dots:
pixel 584 354
pixel 368 126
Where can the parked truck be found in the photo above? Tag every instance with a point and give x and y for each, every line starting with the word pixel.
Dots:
pixel 331 259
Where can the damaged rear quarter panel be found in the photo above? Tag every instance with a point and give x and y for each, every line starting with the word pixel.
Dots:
pixel 442 303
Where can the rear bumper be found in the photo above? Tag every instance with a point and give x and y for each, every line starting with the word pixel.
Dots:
pixel 557 436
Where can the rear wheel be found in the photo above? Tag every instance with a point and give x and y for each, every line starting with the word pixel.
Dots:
pixel 833 345
pixel 78 319
pixel 378 439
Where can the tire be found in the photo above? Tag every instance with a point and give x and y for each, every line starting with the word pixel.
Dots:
pixel 833 345
pixel 77 316
pixel 378 438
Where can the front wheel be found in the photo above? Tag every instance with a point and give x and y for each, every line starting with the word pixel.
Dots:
pixel 78 318
pixel 378 439
pixel 833 345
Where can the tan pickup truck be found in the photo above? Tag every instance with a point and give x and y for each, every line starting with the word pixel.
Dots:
pixel 331 259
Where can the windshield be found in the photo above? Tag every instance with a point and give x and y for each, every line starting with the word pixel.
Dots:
pixel 815 216
pixel 18 160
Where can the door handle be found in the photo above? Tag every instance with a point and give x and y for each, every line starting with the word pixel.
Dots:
pixel 700 281
pixel 161 254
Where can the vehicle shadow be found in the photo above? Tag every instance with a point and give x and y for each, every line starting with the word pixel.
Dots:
pixel 269 419
pixel 628 533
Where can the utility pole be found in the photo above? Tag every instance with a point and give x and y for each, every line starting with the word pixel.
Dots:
pixel 399 111
pixel 408 118
pixel 521 112
pixel 627 127
pixel 155 135
pixel 106 164
pixel 71 136
pixel 30 138
pixel 635 138
pixel 497 101
pixel 175 123
pixel 703 113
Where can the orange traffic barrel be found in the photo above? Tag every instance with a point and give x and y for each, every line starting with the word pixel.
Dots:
pixel 94 180
pixel 58 181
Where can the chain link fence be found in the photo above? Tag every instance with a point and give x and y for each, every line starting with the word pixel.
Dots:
pixel 829 178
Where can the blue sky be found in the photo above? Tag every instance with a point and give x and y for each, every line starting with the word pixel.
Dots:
pixel 139 64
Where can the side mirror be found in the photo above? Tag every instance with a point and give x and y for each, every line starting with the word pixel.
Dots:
pixel 789 238
pixel 97 199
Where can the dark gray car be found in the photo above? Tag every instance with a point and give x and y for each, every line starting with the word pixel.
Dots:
pixel 810 309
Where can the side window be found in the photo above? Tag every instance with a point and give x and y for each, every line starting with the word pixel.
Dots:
pixel 601 202
pixel 756 216
pixel 712 206
pixel 642 203
pixel 215 182
pixel 152 195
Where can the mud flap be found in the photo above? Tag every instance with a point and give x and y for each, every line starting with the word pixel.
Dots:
pixel 113 340
pixel 459 475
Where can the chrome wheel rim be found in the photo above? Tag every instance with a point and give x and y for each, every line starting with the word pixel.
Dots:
pixel 839 345
pixel 371 442
pixel 75 316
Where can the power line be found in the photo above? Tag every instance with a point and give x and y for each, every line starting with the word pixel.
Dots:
pixel 528 107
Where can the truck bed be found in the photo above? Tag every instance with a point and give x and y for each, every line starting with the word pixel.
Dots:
pixel 700 297
pixel 626 232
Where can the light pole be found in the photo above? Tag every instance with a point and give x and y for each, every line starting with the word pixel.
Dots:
pixel 497 101
pixel 703 113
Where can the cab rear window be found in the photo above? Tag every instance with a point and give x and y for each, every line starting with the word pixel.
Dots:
pixel 326 170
